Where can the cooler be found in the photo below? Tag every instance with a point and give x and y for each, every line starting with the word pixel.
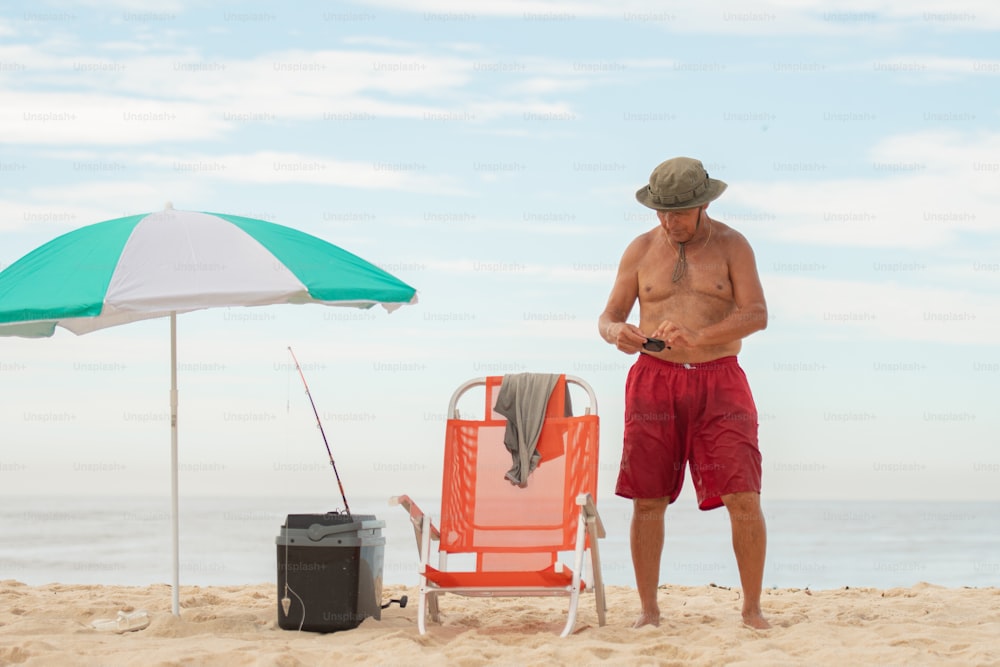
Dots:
pixel 332 564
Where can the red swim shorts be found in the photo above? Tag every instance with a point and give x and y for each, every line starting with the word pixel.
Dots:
pixel 700 416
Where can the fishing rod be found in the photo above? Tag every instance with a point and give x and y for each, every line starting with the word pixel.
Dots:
pixel 322 433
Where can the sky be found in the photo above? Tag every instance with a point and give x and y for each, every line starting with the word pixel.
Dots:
pixel 488 154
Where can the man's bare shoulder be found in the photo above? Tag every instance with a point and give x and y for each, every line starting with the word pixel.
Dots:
pixel 724 230
pixel 731 236
pixel 641 243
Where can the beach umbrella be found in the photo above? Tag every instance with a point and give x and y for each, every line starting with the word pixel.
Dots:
pixel 169 262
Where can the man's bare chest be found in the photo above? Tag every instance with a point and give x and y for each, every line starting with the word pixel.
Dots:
pixel 664 275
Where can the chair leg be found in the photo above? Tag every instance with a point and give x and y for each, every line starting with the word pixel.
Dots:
pixel 432 607
pixel 422 611
pixel 427 598
pixel 595 559
pixel 574 596
pixel 428 606
pixel 574 602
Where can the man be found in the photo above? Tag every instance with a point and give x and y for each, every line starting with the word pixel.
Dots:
pixel 688 404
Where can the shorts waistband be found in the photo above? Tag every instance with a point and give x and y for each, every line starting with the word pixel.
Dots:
pixel 714 363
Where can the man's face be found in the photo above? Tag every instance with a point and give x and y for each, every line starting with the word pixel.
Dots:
pixel 680 225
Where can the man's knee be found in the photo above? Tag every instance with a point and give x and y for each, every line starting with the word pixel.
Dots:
pixel 649 509
pixel 743 505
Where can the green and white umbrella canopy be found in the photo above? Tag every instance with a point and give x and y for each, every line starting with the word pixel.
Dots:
pixel 146 266
pixel 160 264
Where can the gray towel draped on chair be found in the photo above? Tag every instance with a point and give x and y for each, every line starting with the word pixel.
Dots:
pixel 522 399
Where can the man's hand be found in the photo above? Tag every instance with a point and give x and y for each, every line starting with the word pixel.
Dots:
pixel 626 337
pixel 676 335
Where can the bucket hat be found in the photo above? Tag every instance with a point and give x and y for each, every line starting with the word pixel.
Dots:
pixel 679 183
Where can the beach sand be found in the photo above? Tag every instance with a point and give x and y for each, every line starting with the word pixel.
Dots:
pixel 237 625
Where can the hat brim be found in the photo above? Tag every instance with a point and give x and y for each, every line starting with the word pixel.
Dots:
pixel 714 191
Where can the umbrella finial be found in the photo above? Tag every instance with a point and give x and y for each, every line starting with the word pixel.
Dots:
pixel 169 206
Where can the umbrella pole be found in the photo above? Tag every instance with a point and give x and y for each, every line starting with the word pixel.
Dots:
pixel 174 522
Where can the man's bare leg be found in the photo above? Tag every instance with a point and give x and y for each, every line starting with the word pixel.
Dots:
pixel 647 544
pixel 750 546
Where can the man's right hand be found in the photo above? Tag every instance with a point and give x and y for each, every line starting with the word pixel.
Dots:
pixel 626 337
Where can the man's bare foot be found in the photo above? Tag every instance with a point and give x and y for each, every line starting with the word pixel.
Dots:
pixel 647 619
pixel 756 620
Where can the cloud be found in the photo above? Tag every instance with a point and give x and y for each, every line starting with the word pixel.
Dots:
pixel 725 16
pixel 192 177
pixel 917 191
pixel 105 99
pixel 861 310
pixel 137 5
pixel 90 99
pixel 929 69
pixel 272 167
pixel 78 118
pixel 58 209
pixel 445 10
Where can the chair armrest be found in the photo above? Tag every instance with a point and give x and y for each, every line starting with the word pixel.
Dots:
pixel 416 514
pixel 586 502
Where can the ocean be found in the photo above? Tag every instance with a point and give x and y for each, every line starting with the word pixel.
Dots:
pixel 231 541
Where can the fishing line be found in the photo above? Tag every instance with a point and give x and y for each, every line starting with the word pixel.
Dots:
pixel 319 423
pixel 286 602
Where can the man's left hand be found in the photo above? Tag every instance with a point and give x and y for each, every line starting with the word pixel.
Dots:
pixel 676 335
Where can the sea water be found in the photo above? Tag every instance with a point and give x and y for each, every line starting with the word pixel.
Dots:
pixel 231 541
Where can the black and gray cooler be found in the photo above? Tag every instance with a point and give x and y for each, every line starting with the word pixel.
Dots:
pixel 332 565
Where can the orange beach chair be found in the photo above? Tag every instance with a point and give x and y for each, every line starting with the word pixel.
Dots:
pixel 514 538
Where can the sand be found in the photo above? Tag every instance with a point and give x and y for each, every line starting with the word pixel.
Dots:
pixel 237 625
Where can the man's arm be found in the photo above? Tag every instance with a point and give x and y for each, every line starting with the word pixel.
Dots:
pixel 612 323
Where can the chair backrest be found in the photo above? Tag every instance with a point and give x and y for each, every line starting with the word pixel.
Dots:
pixel 510 527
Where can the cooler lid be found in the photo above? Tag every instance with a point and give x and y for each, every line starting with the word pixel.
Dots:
pixel 319 526
pixel 327 519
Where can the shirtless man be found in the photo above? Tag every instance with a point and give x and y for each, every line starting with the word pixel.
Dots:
pixel 689 404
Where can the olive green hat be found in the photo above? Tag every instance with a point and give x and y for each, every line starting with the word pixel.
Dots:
pixel 679 183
